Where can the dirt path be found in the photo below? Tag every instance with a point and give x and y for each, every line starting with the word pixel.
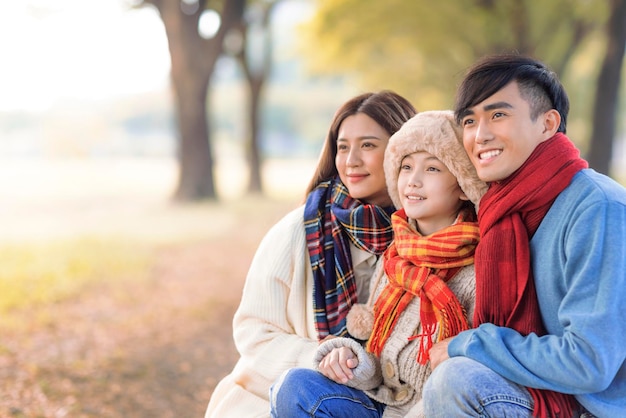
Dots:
pixel 152 348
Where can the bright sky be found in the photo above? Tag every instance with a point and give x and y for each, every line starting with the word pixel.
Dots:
pixel 79 49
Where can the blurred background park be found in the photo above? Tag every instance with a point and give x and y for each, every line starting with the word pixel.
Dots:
pixel 146 147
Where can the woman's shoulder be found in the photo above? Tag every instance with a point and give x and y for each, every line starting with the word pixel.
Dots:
pixel 292 220
pixel 290 226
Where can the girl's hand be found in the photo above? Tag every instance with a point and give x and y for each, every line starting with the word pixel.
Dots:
pixel 338 364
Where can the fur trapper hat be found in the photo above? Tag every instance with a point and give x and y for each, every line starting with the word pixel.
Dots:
pixel 437 133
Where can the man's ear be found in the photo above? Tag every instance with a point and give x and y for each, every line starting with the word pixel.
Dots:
pixel 551 122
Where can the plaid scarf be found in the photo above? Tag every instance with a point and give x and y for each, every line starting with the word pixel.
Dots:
pixel 333 219
pixel 420 266
pixel 510 213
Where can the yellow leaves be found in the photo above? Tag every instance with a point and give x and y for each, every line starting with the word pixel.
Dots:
pixel 419 47
pixel 32 274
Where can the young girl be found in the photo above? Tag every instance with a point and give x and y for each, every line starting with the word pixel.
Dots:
pixel 315 263
pixel 426 293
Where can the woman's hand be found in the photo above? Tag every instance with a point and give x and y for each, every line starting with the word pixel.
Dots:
pixel 338 364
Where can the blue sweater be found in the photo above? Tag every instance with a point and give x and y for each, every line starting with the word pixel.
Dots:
pixel 578 257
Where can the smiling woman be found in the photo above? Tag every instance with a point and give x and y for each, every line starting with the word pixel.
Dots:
pixel 54 50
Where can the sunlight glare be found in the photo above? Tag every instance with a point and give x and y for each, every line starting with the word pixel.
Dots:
pixel 80 50
pixel 209 23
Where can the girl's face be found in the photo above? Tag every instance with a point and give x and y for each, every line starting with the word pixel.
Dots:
pixel 428 191
pixel 361 144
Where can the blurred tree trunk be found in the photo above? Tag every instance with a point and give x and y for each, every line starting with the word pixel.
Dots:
pixel 255 58
pixel 607 92
pixel 519 14
pixel 193 61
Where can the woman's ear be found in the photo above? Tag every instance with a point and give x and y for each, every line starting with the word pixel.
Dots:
pixel 551 122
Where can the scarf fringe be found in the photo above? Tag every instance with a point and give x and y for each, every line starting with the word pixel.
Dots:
pixel 451 320
pixel 425 343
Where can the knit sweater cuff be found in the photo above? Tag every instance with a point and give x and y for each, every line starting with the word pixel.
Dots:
pixel 367 374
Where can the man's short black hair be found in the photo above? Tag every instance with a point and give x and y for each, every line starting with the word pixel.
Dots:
pixel 538 85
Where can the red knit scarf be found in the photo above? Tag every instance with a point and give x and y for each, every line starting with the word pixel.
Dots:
pixel 420 266
pixel 510 213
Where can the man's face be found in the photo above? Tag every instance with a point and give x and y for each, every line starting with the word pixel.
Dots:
pixel 499 134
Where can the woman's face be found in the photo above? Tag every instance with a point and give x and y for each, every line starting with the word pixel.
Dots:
pixel 361 144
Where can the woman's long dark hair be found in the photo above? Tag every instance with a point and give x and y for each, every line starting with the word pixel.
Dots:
pixel 387 108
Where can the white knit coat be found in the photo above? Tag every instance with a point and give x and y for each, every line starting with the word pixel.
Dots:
pixel 274 326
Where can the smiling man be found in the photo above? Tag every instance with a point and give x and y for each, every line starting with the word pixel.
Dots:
pixel 550 265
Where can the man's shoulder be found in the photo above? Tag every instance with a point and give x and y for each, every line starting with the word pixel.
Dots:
pixel 590 185
pixel 589 192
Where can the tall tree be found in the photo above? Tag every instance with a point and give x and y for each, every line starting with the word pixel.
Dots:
pixel 606 102
pixel 193 61
pixel 255 58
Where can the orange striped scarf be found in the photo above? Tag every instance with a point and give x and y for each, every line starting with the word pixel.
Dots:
pixel 419 265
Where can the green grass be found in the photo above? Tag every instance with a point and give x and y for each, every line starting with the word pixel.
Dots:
pixel 42 273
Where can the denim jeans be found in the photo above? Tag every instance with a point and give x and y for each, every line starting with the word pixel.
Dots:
pixel 460 387
pixel 308 393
